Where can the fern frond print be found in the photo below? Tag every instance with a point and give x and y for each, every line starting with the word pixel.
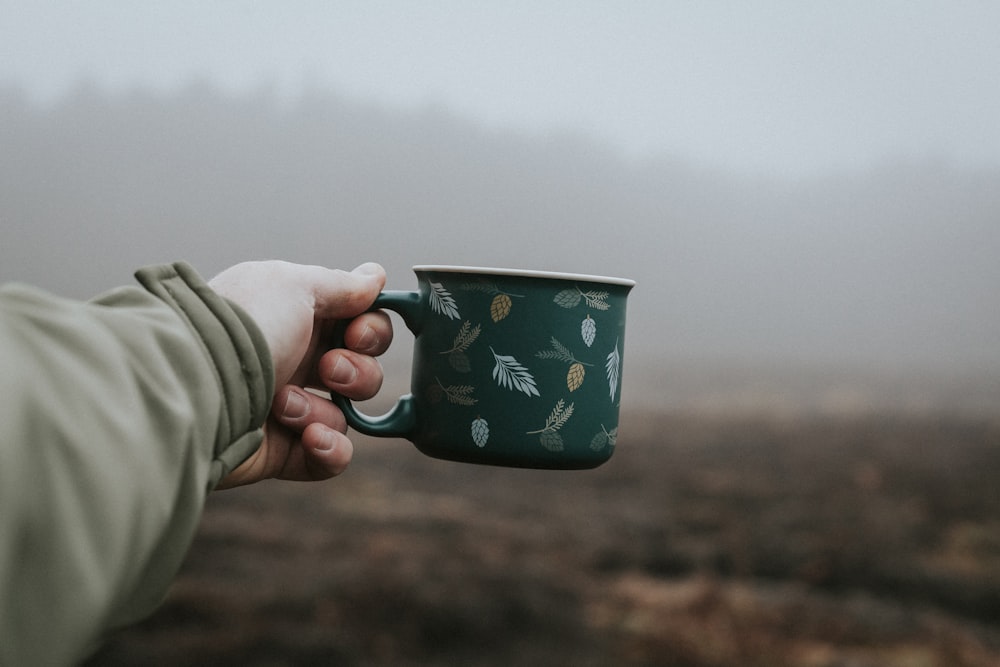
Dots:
pixel 511 374
pixel 613 367
pixel 487 287
pixel 558 351
pixel 458 394
pixel 442 302
pixel 466 336
pixel 557 419
pixel 570 298
pixel 596 300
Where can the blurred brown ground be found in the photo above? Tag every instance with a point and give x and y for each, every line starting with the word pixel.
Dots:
pixel 770 541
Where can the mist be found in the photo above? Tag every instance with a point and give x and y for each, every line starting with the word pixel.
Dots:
pixel 882 270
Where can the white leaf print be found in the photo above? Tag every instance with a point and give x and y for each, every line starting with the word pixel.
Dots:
pixel 613 365
pixel 509 373
pixel 596 300
pixel 442 302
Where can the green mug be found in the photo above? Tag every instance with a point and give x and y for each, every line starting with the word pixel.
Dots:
pixel 512 368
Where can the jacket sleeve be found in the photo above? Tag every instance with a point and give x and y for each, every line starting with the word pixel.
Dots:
pixel 117 417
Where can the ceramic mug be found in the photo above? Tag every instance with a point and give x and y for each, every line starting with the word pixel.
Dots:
pixel 512 368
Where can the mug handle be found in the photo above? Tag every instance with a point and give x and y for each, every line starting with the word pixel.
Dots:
pixel 401 420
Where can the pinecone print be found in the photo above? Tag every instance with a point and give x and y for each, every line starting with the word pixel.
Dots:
pixel 599 441
pixel 575 376
pixel 501 304
pixel 459 361
pixel 568 298
pixel 552 441
pixel 588 330
pixel 500 307
pixel 604 439
pixel 480 431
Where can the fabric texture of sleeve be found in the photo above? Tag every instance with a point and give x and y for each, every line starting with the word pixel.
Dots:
pixel 119 415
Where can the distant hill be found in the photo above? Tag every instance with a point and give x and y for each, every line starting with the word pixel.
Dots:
pixel 894 267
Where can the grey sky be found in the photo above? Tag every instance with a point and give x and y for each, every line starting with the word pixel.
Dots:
pixel 788 88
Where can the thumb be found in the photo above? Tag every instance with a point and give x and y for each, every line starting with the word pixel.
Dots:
pixel 341 294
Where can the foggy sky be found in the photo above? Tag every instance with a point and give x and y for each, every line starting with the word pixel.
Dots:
pixel 889 267
pixel 771 86
pixel 791 184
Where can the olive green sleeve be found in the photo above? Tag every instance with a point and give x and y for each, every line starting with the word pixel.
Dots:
pixel 117 417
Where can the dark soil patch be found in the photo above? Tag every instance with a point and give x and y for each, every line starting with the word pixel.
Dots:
pixel 862 541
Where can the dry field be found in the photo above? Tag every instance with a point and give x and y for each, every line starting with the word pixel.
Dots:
pixel 821 542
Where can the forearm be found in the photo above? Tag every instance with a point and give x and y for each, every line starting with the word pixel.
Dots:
pixel 118 417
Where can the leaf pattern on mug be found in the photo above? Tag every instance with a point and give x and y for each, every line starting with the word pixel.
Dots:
pixel 570 298
pixel 540 334
pixel 442 302
pixel 466 336
pixel 457 394
pixel 613 367
pixel 511 374
pixel 576 374
pixel 549 434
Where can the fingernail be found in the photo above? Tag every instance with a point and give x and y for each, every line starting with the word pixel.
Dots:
pixel 296 406
pixel 368 339
pixel 328 441
pixel 343 372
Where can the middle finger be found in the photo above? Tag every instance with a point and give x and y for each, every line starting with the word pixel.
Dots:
pixel 348 373
pixel 370 333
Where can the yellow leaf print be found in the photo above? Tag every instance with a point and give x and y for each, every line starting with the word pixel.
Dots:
pixel 500 308
pixel 575 376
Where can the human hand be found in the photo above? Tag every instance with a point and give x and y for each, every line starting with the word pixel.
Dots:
pixel 297 308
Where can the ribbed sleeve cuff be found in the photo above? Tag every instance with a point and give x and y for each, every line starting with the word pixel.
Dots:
pixel 238 352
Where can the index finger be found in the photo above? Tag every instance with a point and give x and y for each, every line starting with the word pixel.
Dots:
pixel 370 333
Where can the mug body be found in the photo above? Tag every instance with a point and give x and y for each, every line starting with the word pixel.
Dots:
pixel 518 368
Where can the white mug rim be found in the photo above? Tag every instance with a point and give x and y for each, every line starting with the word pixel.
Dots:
pixel 523 273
